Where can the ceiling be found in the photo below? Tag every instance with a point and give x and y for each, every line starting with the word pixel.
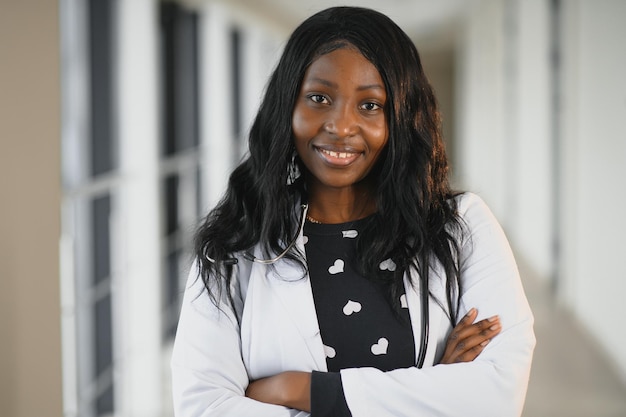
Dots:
pixel 429 22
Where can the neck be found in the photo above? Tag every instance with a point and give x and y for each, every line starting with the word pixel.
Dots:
pixel 340 205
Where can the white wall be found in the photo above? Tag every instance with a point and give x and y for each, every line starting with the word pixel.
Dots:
pixel 506 146
pixel 593 148
pixel 531 194
pixel 481 140
pixel 504 125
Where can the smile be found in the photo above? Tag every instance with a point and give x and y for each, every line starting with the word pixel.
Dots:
pixel 338 158
pixel 340 155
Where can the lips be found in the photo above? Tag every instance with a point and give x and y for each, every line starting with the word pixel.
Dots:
pixel 336 157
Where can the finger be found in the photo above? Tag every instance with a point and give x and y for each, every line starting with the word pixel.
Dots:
pixel 463 331
pixel 467 340
pixel 469 317
pixel 470 337
pixel 478 339
pixel 488 322
pixel 471 353
pixel 469 348
pixel 465 322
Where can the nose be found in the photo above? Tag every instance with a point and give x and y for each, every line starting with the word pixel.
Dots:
pixel 342 122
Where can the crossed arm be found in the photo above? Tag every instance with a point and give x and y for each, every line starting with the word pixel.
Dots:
pixel 293 388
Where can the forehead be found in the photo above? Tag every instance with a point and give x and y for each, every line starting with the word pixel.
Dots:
pixel 345 63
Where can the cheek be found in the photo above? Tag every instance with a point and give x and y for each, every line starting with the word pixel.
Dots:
pixel 296 128
pixel 299 128
pixel 382 137
pixel 300 122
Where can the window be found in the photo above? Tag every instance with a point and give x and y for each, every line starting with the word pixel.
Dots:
pixel 91 181
pixel 180 167
pixel 136 180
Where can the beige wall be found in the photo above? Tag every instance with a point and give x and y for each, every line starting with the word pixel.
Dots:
pixel 30 337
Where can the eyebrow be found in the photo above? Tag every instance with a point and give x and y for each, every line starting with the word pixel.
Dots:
pixel 371 86
pixel 360 88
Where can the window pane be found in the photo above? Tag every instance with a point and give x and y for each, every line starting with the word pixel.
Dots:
pixel 180 84
pixel 103 353
pixel 199 195
pixel 171 204
pixel 104 403
pixel 235 62
pixel 101 77
pixel 172 293
pixel 101 210
pixel 103 334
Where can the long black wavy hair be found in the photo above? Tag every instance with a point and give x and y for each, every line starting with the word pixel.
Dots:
pixel 416 221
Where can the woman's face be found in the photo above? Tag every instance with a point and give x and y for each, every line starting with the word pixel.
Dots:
pixel 338 122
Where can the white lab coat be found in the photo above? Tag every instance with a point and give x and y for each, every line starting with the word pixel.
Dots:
pixel 214 357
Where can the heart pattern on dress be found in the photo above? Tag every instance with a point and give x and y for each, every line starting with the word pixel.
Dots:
pixel 387 265
pixel 380 348
pixel 329 351
pixel 351 329
pixel 337 267
pixel 351 307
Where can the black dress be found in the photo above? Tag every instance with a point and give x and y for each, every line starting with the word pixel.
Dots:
pixel 358 326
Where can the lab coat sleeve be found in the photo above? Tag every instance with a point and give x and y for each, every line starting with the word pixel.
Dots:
pixel 495 383
pixel 208 374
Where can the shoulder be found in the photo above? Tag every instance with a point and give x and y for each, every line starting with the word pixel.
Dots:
pixel 469 204
pixel 478 221
pixel 473 210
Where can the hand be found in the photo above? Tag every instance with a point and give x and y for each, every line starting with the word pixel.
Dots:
pixel 468 339
pixel 291 389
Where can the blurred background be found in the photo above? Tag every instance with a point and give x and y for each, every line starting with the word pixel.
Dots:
pixel 120 121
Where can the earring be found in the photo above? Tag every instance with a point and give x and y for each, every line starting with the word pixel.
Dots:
pixel 293 171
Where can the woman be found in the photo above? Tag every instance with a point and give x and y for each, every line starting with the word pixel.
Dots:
pixel 308 293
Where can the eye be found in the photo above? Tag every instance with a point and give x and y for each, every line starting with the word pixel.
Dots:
pixel 318 98
pixel 371 106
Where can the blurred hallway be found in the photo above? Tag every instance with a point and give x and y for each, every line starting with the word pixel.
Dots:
pixel 121 121
pixel 571 377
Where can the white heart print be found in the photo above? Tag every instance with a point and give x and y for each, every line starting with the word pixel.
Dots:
pixel 330 352
pixel 351 234
pixel 403 302
pixel 387 264
pixel 337 267
pixel 380 348
pixel 351 307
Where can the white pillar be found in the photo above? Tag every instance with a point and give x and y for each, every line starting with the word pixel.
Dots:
pixel 138 307
pixel 531 188
pixel 216 138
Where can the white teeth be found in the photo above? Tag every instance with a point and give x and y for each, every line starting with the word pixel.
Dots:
pixel 341 155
